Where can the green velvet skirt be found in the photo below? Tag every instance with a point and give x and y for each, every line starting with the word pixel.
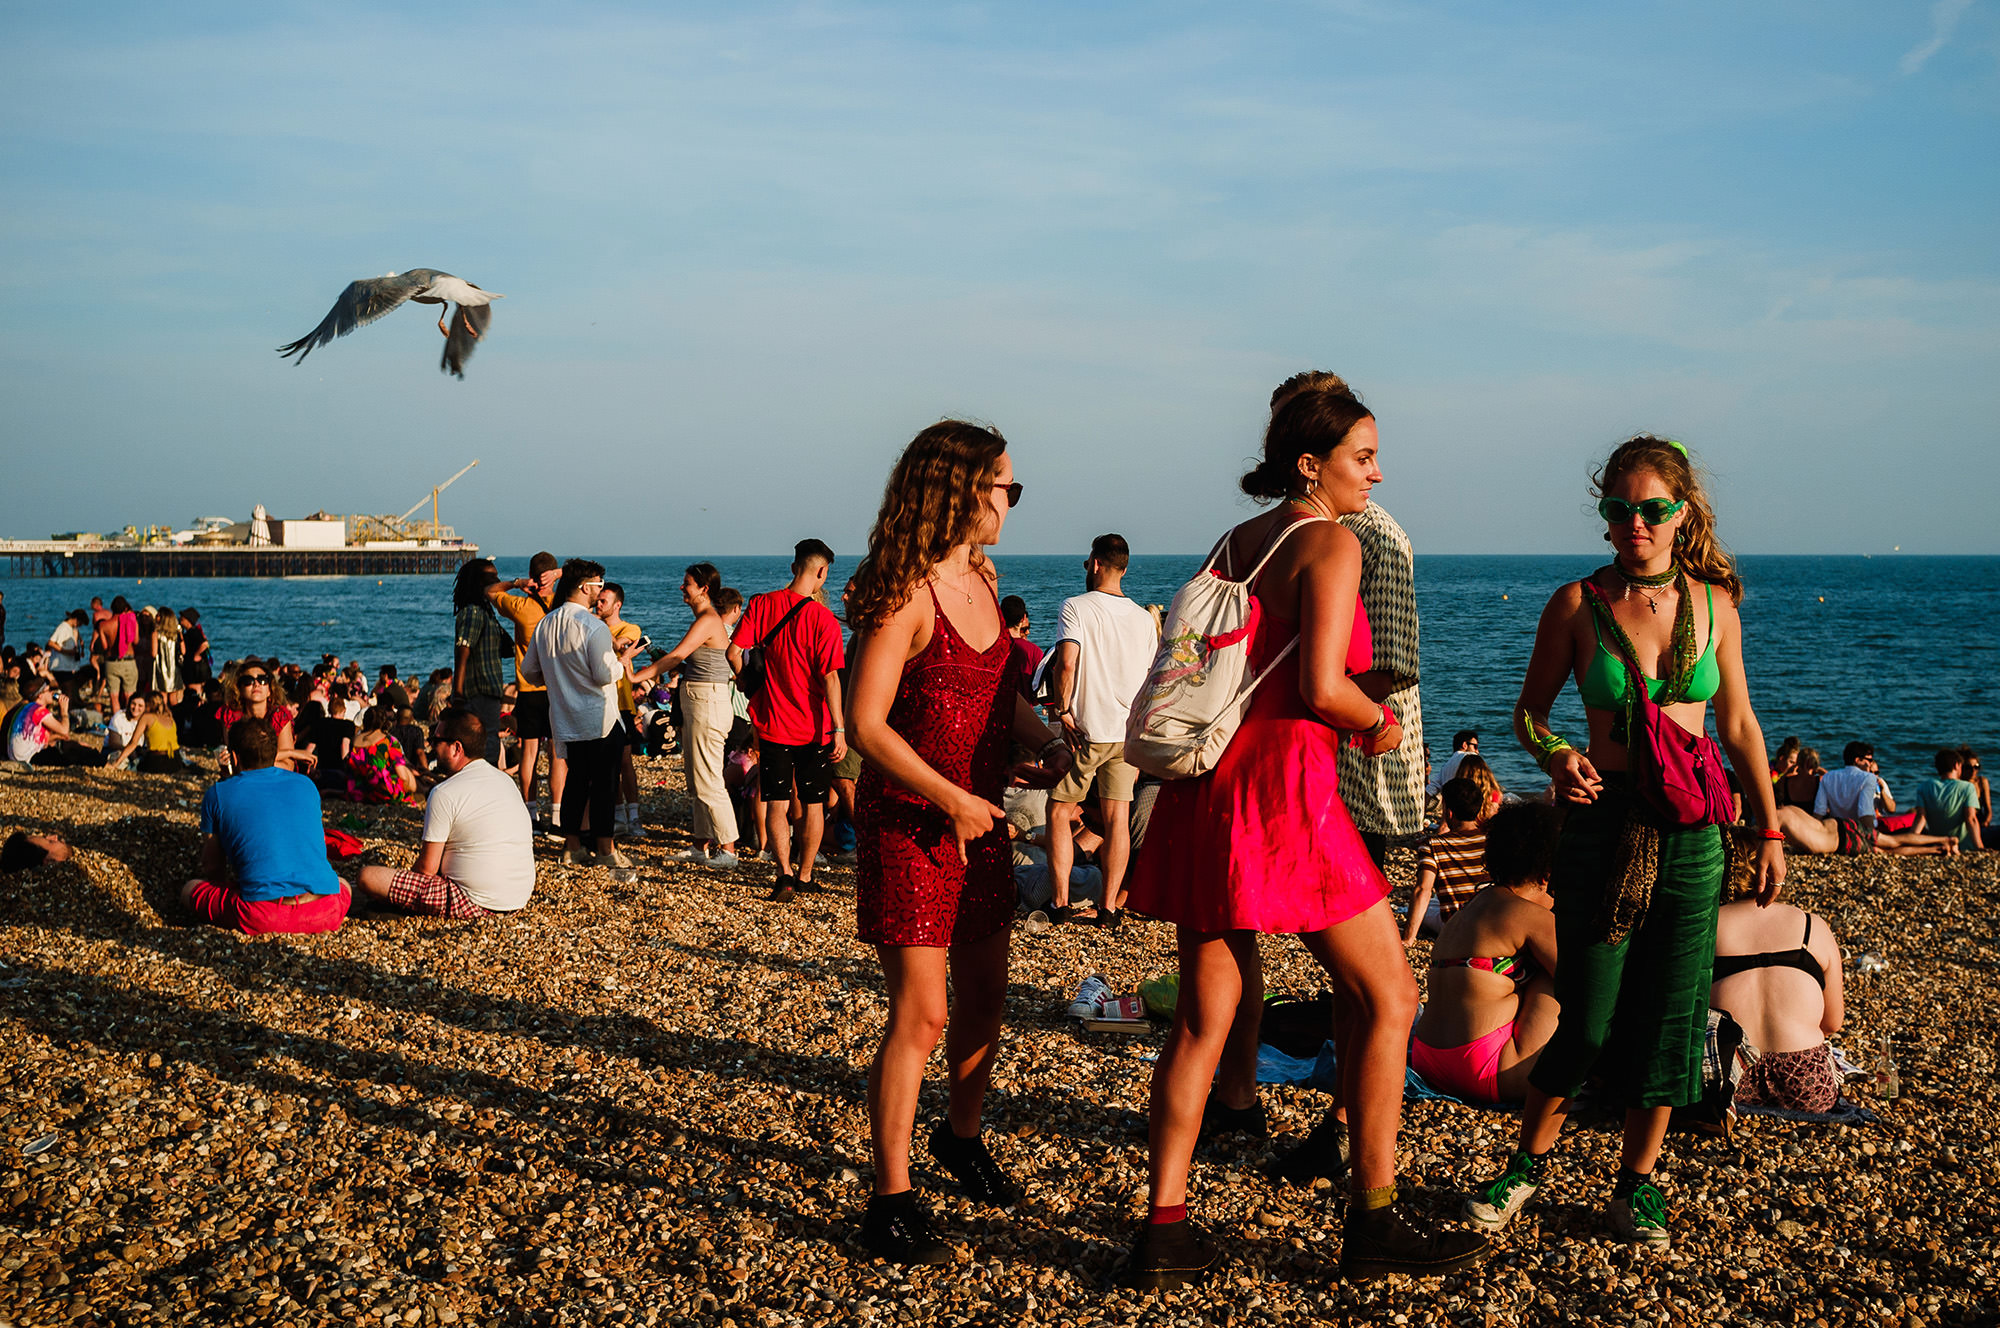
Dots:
pixel 1634 1014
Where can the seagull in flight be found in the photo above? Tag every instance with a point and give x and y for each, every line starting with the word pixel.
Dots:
pixel 370 298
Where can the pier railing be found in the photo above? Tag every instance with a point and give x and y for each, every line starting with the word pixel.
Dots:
pixel 53 558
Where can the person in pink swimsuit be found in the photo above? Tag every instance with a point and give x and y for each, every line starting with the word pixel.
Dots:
pixel 935 712
pixel 1263 844
pixel 1492 1002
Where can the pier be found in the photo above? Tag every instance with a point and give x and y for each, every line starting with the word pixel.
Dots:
pixel 53 558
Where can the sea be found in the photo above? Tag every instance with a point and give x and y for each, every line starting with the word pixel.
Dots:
pixel 1900 651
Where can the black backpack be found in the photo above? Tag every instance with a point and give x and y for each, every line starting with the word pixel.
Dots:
pixel 750 678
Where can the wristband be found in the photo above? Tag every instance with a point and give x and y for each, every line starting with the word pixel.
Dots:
pixel 1547 750
pixel 1768 833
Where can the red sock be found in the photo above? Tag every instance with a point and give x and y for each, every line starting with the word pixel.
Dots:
pixel 1161 1216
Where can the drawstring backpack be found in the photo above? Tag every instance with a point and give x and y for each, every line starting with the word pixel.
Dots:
pixel 1192 701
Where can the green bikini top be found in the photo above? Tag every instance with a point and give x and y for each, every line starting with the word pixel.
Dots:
pixel 1604 681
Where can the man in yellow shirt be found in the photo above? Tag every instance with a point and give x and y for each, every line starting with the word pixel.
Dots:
pixel 524 602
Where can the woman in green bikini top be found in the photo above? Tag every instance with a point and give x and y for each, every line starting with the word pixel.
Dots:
pixel 1634 898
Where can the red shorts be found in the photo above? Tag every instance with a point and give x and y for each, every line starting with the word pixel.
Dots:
pixel 432 896
pixel 299 914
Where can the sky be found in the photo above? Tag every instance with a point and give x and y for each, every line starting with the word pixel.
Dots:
pixel 748 251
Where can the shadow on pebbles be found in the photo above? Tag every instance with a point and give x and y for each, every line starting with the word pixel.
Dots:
pixel 643 1104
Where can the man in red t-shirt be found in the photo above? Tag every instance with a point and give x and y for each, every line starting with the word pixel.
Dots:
pixel 797 713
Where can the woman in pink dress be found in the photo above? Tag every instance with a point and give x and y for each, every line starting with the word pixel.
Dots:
pixel 935 710
pixel 1262 844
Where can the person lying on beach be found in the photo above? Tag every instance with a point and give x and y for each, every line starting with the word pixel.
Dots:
pixel 479 840
pixel 1777 973
pixel 1492 996
pixel 263 846
pixel 1845 811
pixel 25 851
pixel 1949 803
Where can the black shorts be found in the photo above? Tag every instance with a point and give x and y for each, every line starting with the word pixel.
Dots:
pixel 778 765
pixel 531 716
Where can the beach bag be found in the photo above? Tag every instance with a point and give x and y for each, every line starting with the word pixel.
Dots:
pixel 750 678
pixel 1682 776
pixel 1192 701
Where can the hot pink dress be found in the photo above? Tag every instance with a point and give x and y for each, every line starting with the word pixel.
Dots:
pixel 1263 843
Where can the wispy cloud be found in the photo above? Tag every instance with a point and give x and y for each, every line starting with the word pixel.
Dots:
pixel 1945 15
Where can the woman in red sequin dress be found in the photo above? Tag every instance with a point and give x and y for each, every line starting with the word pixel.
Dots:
pixel 935 711
pixel 1262 844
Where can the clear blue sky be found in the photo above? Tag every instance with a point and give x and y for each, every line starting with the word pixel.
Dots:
pixel 749 250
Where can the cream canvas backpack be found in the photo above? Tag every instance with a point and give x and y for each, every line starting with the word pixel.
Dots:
pixel 1199 684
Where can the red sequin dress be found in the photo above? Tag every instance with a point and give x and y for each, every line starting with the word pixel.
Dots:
pixel 1263 843
pixel 954 706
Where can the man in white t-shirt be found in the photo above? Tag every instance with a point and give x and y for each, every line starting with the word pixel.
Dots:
pixel 69 644
pixel 479 841
pixel 1845 811
pixel 1104 645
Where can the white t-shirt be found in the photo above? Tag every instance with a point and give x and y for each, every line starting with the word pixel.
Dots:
pixel 122 724
pixel 70 647
pixel 488 837
pixel 1444 774
pixel 1849 792
pixel 1116 641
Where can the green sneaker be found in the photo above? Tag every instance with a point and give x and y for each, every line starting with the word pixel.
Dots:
pixel 1494 1207
pixel 1640 1219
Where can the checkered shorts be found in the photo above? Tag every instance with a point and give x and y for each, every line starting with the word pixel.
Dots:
pixel 431 896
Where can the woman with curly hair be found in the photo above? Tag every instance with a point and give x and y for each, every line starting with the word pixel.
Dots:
pixel 1636 897
pixel 934 711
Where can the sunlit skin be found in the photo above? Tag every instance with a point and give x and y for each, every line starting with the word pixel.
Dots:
pixel 1565 641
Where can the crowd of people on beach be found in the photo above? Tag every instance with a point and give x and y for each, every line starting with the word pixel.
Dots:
pixel 1584 937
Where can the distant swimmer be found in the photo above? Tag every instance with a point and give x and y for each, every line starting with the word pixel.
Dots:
pixel 370 298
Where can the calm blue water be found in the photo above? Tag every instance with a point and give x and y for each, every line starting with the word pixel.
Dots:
pixel 1901 651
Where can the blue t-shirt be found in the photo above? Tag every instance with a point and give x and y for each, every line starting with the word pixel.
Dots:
pixel 268 822
pixel 1950 806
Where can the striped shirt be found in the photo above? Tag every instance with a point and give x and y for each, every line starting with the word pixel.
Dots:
pixel 1459 859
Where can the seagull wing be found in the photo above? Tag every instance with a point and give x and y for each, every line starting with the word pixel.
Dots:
pixel 360 304
pixel 458 343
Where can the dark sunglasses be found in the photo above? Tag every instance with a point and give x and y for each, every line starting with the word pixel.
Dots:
pixel 247 678
pixel 1013 493
pixel 1653 511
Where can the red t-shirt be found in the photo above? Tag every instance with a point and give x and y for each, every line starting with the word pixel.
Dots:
pixel 791 709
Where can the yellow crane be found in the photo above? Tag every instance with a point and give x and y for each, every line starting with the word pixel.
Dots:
pixel 366 528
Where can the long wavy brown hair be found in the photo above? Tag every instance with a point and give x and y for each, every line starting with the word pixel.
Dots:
pixel 1695 543
pixel 934 501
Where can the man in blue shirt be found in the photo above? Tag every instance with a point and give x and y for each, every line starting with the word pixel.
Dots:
pixel 263 847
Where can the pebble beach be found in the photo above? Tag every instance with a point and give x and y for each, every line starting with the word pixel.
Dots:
pixel 643 1105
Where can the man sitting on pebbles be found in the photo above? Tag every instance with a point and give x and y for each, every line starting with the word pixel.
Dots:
pixel 263 846
pixel 1845 810
pixel 479 841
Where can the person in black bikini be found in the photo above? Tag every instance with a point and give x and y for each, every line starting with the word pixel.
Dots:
pixel 1777 973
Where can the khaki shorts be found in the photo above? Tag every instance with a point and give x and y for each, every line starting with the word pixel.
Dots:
pixel 1106 762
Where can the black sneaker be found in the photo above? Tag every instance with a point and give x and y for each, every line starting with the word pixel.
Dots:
pixel 1219 1118
pixel 781 893
pixel 1169 1254
pixel 973 1167
pixel 896 1227
pixel 1381 1242
pixel 1323 1154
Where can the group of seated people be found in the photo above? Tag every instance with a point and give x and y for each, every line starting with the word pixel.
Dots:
pixel 1851 810
pixel 1492 1005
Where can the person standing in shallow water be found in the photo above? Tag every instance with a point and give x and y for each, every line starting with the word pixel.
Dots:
pixel 1262 844
pixel 1635 903
pixel 934 712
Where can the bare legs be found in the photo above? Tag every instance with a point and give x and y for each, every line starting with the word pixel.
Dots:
pixel 915 976
pixel 1376 1002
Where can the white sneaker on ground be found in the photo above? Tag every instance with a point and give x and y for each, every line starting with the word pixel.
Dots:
pixel 620 866
pixel 576 857
pixel 690 855
pixel 723 862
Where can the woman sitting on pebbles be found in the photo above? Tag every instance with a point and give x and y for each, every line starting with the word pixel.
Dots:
pixel 1777 973
pixel 155 740
pixel 934 712
pixel 1635 901
pixel 377 769
pixel 1492 1000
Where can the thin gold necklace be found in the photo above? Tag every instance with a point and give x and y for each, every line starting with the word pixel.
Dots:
pixel 960 588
